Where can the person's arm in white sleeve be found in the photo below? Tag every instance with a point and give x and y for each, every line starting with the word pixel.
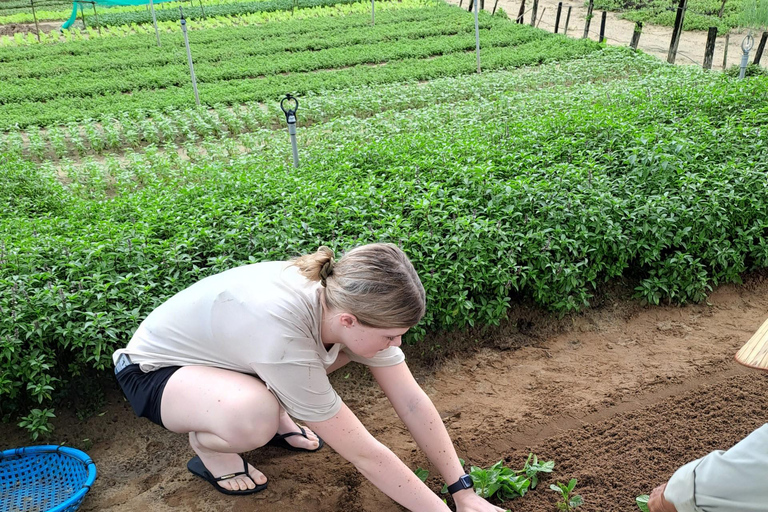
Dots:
pixel 723 481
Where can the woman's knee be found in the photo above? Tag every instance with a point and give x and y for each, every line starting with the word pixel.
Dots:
pixel 253 419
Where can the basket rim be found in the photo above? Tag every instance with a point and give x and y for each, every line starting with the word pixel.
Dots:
pixel 65 450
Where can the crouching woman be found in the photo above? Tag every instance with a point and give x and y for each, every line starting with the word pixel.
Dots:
pixel 234 358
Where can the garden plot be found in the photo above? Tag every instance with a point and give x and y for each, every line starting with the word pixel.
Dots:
pixel 617 397
pixel 545 209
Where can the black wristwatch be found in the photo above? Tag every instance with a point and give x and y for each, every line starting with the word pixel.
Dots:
pixel 465 482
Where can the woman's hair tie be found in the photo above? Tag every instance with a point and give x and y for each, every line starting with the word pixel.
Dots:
pixel 325 272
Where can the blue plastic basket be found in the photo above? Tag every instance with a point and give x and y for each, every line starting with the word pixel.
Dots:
pixel 44 479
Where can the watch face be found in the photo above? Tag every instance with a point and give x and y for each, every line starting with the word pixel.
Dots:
pixel 466 481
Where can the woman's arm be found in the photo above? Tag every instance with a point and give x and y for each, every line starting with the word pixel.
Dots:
pixel 345 434
pixel 419 414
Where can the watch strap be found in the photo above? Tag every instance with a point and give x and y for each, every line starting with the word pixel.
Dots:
pixel 464 482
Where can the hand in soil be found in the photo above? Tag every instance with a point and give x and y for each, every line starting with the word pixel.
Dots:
pixel 468 501
pixel 657 503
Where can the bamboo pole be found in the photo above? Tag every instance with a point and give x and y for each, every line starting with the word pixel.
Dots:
pixel 96 14
pixel 154 21
pixel 34 15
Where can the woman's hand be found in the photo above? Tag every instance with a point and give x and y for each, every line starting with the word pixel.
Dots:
pixel 657 503
pixel 468 501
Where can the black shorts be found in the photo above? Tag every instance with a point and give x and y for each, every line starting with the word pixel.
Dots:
pixel 144 391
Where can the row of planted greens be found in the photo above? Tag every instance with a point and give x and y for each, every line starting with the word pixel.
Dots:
pixel 202 11
pixel 141 128
pixel 536 194
pixel 75 34
pixel 20 11
pixel 391 52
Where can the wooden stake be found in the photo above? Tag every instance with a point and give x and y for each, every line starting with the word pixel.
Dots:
pixel 533 12
pixel 557 16
pixel 541 17
pixel 636 35
pixel 602 28
pixel 521 12
pixel 679 17
pixel 725 53
pixel 760 48
pixel 709 50
pixel 589 18
pixel 495 4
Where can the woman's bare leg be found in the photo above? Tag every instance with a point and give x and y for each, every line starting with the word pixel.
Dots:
pixel 225 413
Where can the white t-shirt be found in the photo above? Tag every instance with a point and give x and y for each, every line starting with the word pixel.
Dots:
pixel 262 319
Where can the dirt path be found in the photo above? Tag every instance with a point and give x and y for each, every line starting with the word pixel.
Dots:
pixel 622 397
pixel 654 40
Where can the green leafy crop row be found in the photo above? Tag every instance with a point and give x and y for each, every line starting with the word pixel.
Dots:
pixel 146 127
pixel 196 12
pixel 82 95
pixel 233 45
pixel 20 11
pixel 77 35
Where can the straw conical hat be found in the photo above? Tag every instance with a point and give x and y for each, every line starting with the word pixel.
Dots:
pixel 755 353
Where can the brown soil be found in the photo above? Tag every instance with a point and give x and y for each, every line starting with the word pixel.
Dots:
pixel 655 39
pixel 26 28
pixel 618 397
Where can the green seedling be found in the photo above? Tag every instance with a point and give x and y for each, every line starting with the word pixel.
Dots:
pixel 568 500
pixel 506 483
pixel 499 480
pixel 422 474
pixel 642 502
pixel 533 467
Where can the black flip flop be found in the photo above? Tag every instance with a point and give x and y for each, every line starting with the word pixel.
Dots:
pixel 279 441
pixel 197 468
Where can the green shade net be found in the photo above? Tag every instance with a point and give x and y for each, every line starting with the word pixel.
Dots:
pixel 107 3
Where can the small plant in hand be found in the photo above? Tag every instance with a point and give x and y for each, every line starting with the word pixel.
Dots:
pixel 568 500
pixel 642 502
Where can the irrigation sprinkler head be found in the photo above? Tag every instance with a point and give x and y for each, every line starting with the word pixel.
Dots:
pixel 290 113
pixel 748 43
pixel 181 11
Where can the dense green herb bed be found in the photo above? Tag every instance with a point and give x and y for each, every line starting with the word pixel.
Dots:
pixel 197 12
pixel 262 63
pixel 539 187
